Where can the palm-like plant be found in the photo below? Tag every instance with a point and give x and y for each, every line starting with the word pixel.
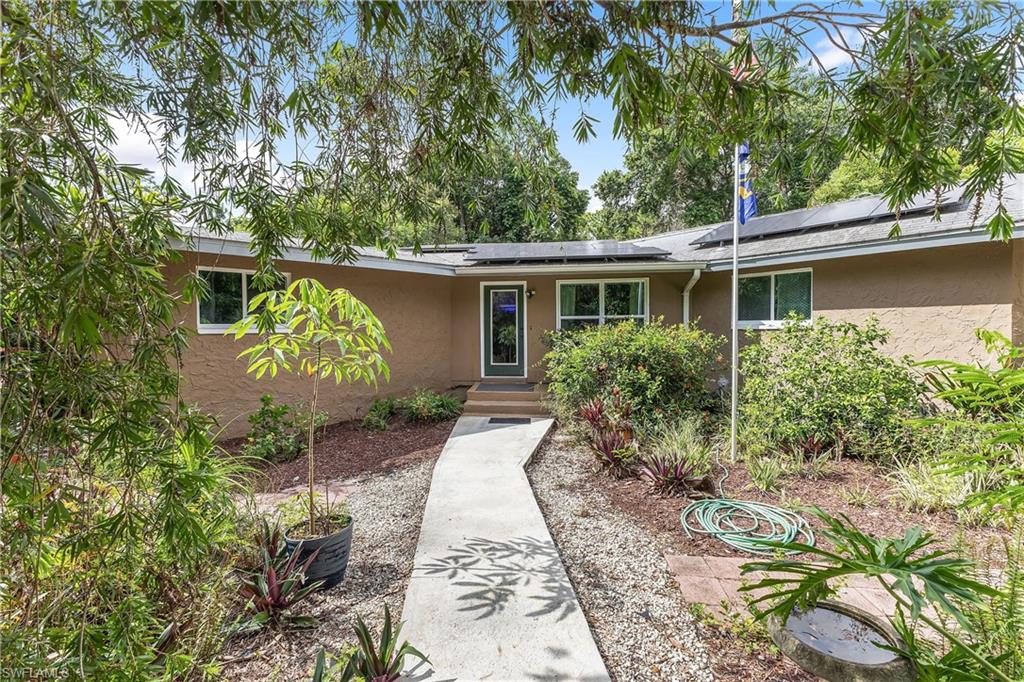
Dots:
pixel 914 574
pixel 994 398
pixel 372 662
pixel 318 333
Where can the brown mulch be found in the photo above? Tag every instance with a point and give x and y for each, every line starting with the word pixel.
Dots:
pixel 346 450
pixel 737 649
pixel 881 517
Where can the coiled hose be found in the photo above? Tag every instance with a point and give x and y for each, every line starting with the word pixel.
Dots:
pixel 745 525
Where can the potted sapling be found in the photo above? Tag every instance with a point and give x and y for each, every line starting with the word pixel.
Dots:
pixel 319 334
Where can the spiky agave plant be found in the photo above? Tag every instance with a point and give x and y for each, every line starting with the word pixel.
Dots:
pixel 370 661
pixel 277 584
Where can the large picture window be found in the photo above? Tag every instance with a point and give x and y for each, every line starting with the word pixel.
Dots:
pixel 766 300
pixel 228 300
pixel 582 303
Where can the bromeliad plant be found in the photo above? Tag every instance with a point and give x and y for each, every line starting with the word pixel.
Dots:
pixel 917 576
pixel 371 662
pixel 678 459
pixel 316 333
pixel 277 584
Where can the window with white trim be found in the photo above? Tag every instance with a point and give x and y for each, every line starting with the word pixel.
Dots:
pixel 767 299
pixel 228 300
pixel 582 303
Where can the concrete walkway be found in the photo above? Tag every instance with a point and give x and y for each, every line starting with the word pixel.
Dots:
pixel 489 598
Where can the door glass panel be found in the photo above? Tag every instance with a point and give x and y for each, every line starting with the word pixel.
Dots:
pixel 580 300
pixel 504 328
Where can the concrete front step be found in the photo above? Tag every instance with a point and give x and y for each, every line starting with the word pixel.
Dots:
pixel 501 391
pixel 493 408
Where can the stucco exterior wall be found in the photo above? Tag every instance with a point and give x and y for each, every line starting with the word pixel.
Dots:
pixel 414 308
pixel 665 294
pixel 931 300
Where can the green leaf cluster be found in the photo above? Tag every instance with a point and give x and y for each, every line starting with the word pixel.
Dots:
pixel 812 387
pixel 660 370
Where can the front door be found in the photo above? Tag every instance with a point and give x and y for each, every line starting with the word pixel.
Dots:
pixel 504 339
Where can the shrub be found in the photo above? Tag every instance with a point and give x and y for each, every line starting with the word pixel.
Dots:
pixel 991 400
pixel 808 388
pixel 678 459
pixel 955 625
pixel 661 371
pixel 380 413
pixel 428 406
pixel 276 434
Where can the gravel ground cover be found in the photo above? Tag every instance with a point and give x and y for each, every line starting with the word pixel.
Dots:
pixel 634 608
pixel 388 509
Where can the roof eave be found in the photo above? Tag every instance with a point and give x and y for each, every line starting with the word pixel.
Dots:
pixel 929 241
pixel 577 268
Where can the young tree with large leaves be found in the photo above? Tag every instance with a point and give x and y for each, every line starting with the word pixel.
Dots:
pixel 332 124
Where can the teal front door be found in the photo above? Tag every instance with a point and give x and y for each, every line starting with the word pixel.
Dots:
pixel 504 337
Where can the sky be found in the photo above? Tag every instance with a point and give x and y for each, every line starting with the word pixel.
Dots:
pixel 601 153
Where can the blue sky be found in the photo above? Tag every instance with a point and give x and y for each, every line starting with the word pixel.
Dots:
pixel 590 159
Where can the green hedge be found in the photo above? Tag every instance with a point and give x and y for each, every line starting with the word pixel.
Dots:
pixel 814 387
pixel 661 371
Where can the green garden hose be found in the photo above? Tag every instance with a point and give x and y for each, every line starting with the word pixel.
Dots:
pixel 745 525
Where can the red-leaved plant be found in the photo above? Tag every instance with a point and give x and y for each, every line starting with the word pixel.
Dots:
pixel 614 453
pixel 669 475
pixel 277 584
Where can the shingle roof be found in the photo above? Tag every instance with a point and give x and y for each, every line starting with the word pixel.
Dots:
pixel 955 217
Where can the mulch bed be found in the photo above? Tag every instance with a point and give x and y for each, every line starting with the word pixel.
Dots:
pixel 881 517
pixel 736 651
pixel 346 450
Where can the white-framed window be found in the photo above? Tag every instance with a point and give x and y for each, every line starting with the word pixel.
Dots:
pixel 768 298
pixel 585 302
pixel 229 292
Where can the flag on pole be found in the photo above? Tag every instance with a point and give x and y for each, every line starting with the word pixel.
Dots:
pixel 747 200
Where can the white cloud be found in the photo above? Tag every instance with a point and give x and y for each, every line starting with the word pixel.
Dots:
pixel 135 147
pixel 594 204
pixel 830 55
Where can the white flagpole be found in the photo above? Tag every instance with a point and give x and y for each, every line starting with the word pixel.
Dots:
pixel 737 12
pixel 734 317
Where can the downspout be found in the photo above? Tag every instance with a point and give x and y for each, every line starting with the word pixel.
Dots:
pixel 686 295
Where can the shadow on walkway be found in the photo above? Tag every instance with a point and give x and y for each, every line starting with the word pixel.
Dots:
pixel 492 573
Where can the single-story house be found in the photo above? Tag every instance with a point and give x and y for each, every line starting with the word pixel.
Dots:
pixel 459 314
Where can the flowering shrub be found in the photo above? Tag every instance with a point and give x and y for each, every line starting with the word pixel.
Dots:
pixel 660 371
pixel 813 387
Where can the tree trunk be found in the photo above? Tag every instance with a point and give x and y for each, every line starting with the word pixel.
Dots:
pixel 309 449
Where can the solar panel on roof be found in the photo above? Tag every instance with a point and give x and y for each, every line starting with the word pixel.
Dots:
pixel 832 215
pixel 539 251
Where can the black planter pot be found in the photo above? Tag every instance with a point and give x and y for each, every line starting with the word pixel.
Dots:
pixel 330 564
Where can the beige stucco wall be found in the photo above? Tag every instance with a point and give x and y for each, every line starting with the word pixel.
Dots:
pixel 414 308
pixel 931 300
pixel 666 301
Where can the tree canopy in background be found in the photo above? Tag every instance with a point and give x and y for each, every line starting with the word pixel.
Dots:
pixel 668 184
pixel 496 201
pixel 341 125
